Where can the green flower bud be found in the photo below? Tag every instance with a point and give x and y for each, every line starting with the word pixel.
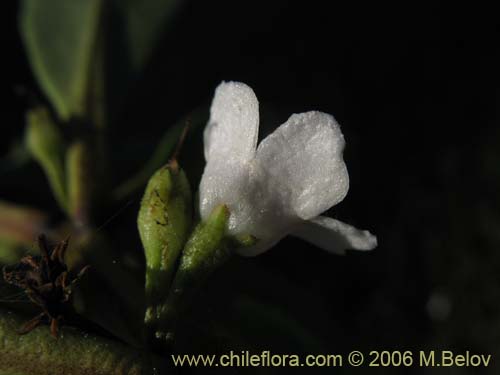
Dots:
pixel 164 222
pixel 206 250
pixel 45 142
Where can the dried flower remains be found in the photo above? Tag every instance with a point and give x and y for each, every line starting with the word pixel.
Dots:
pixel 47 282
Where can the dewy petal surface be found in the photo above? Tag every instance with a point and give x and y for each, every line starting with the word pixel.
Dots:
pixel 335 236
pixel 303 166
pixel 229 183
pixel 295 174
pixel 230 141
pixel 233 127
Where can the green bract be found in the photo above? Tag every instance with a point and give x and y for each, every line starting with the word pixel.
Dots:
pixel 205 251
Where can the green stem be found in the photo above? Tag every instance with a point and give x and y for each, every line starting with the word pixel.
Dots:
pixel 79 182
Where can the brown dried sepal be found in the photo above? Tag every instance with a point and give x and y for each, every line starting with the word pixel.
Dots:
pixel 47 283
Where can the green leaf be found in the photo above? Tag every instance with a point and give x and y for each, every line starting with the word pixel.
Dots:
pixel 134 29
pixel 76 352
pixel 80 69
pixel 59 37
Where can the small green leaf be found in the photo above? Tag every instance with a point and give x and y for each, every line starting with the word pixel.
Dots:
pixel 59 37
pixel 45 142
pixel 134 29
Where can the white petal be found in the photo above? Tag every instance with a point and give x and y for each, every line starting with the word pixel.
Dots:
pixel 335 236
pixel 252 211
pixel 233 128
pixel 226 183
pixel 303 166
pixel 231 175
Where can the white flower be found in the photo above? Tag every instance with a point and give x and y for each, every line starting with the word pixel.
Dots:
pixel 282 186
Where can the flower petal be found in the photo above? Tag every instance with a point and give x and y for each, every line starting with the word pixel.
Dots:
pixel 231 176
pixel 233 128
pixel 226 183
pixel 335 236
pixel 230 140
pixel 302 164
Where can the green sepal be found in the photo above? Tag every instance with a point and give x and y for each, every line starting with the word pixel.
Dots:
pixel 243 240
pixel 206 250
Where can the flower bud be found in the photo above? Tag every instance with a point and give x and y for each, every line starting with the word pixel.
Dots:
pixel 164 222
pixel 205 251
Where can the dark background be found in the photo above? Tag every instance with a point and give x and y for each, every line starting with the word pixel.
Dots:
pixel 414 87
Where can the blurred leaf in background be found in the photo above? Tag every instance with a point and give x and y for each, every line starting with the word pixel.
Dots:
pixel 73 45
pixel 143 23
pixel 60 38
